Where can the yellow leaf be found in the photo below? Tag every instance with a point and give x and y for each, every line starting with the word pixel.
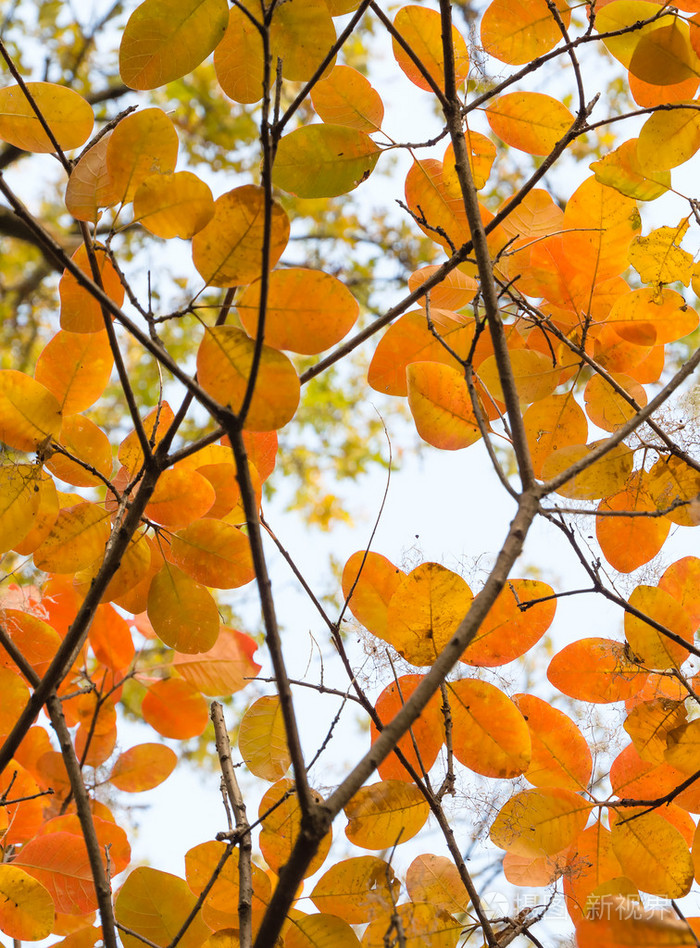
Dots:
pixel 320 931
pixel 239 59
pixel 517 31
pixel 668 138
pixel 621 169
pixel 324 160
pixel 142 144
pixel 357 889
pixel 19 502
pixel 67 114
pixel 228 251
pixel 183 613
pixel 347 97
pixel 529 121
pixel 385 813
pixel 435 879
pixel 659 258
pixel 156 904
pixel 421 28
pixel 370 580
pixel 301 35
pixel 280 814
pixel 653 648
pixel 29 413
pixel 441 406
pixel 173 205
pixel 164 40
pixel 538 823
pixel 652 852
pixel 76 540
pixel 214 553
pixel 26 907
pixel 262 739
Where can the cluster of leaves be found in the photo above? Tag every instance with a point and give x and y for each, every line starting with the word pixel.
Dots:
pixel 531 331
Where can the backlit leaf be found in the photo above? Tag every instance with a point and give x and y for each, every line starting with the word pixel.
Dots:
pixel 490 735
pixel 183 613
pixel 76 540
pixel 369 581
pixel 26 907
pixel 213 553
pixel 14 694
pixel 560 753
pixel 224 362
pixel 620 169
pixel 156 904
pixel 652 647
pixel 85 442
pixel 652 853
pixel 89 187
pixel 668 139
pixel 659 258
pixel 606 407
pixel 163 41
pixel 239 59
pixel 59 861
pixel 597 670
pixel 181 496
pixel 301 35
pixel 683 747
pixel 357 889
pixel 604 477
pixel 67 114
pixel 262 739
pixel 441 406
pixel 173 205
pixel 224 668
pixel 650 316
pixel 421 925
pixel 228 251
pixel 664 56
pixel 324 160
pixel 174 709
pixel 76 368
pixel 320 931
pixel 424 612
pixel 19 501
pixel 435 879
pixel 552 423
pixel 452 293
pixel 629 542
pixel 155 424
pixel 280 813
pixel 529 121
pixel 421 29
pixel 29 412
pixel 383 814
pixel 142 144
pixel 675 482
pixel 508 631
pixel 540 822
pixel 534 376
pixel 307 310
pixel 80 311
pixel 427 731
pixel 346 97
pixel 649 724
pixel 682 581
pixel 36 639
pixel 142 767
pixel 515 33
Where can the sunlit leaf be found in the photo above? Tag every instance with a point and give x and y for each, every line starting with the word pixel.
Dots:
pixel 89 187
pixel 324 160
pixel 650 316
pixel 76 368
pixel 173 205
pixel 183 613
pixel 652 647
pixel 597 670
pixel 606 407
pixel 425 610
pixel 426 733
pixel 649 724
pixel 652 853
pixel 76 539
pixel 224 668
pixel 347 97
pixel 228 251
pixel 180 497
pixel 142 767
pixel 86 443
pixel 369 581
pixel 301 35
pixel 620 169
pixel 668 139
pixel 155 425
pixel 490 735
pixel 517 32
pixel 604 477
pixel 142 144
pixel 26 907
pixel 673 481
pixel 80 311
pixel 682 581
pixel 59 861
pixel 452 293
pixel 213 553
pixel 529 121
pixel 383 814
pixel 421 924
pixel 534 376
pixel 441 406
pixel 67 114
pixel 19 502
pixel 36 639
pixel 560 753
pixel 110 635
pixel 435 879
pixel 262 739
pixel 553 423
pixel 163 41
pixel 307 311
pixel 508 630
pixel 156 904
pixel 629 542
pixel 239 59
pixel 29 412
pixel 540 822
pixel 280 814
pixel 421 29
pixel 320 931
pixel 357 889
pixel 174 709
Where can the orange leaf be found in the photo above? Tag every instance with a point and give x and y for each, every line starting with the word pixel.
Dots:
pixel 490 735
pixel 142 144
pixel 553 423
pixel 213 553
pixel 76 540
pixel 110 638
pixel 60 862
pixel 597 670
pixel 653 648
pixel 369 581
pixel 307 310
pixel 435 879
pixel 174 709
pixel 142 767
pixel 80 311
pixel 239 59
pixel 422 30
pixel 224 363
pixel 82 439
pixel 224 668
pixel 629 542
pixel 89 186
pixel 427 731
pixel 420 923
pixel 19 503
pixel 441 406
pixel 560 753
pixel 313 930
pixel 529 121
pixel 156 904
pixel 155 425
pixel 346 97
pixel 173 205
pixel 34 638
pixel 76 367
pixel 652 853
pixel 517 32
pixel 181 496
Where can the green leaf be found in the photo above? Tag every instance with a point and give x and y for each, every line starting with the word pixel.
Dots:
pixel 324 161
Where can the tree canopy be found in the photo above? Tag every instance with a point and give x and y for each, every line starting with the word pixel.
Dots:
pixel 201 299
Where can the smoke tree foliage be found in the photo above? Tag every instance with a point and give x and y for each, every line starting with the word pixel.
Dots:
pixel 548 329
